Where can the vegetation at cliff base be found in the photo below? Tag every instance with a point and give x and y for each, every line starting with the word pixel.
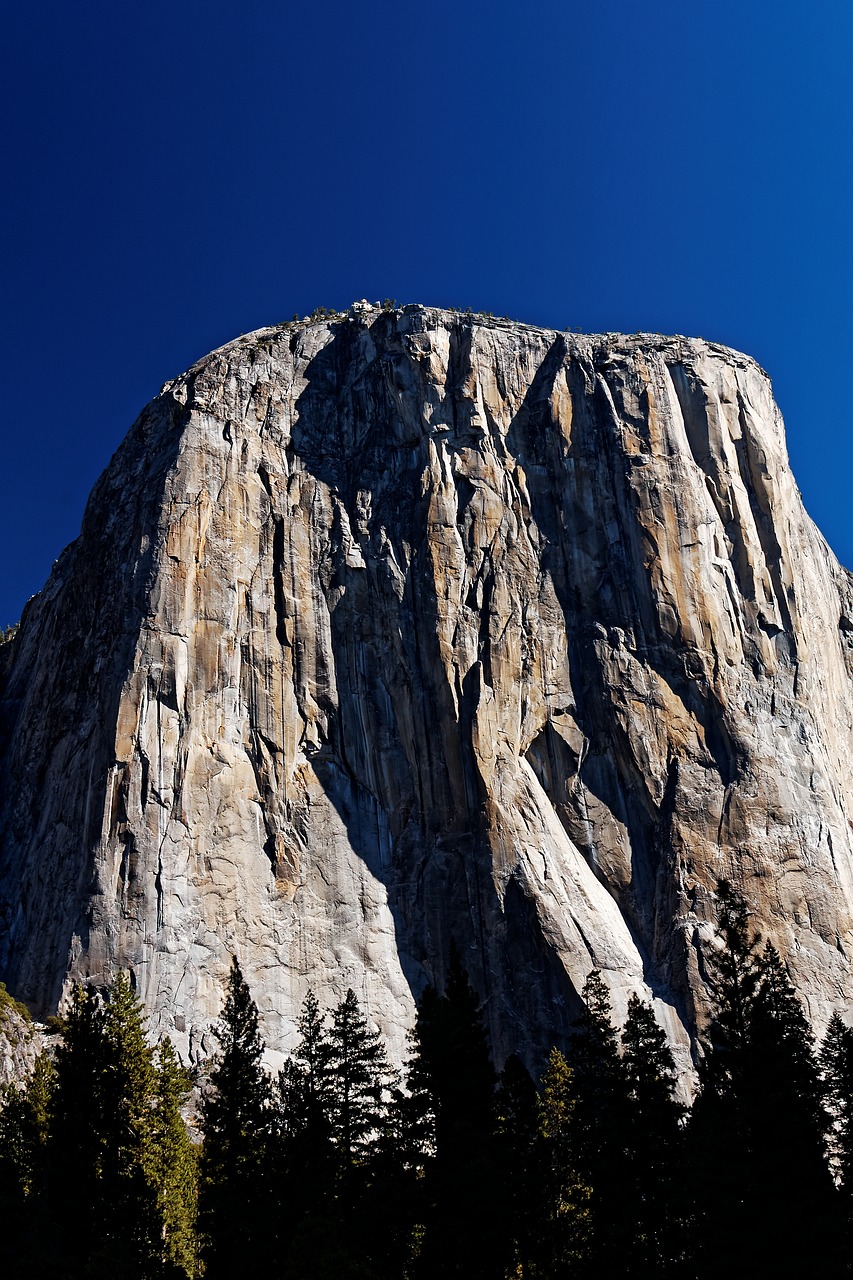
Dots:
pixel 340 1168
pixel 8 1004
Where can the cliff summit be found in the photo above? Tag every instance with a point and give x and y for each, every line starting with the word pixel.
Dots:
pixel 406 628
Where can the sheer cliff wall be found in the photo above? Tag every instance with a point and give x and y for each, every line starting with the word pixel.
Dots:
pixel 411 628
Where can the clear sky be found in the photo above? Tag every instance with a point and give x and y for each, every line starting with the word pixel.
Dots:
pixel 178 173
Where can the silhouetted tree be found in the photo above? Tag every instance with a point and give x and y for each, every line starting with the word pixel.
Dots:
pixel 234 1192
pixel 132 1227
pixel 517 1116
pixel 452 1082
pixel 346 1187
pixel 564 1245
pixel 654 1143
pixel 99 1204
pixel 102 1149
pixel 763 1194
pixel 302 1118
pixel 358 1076
pixel 599 1125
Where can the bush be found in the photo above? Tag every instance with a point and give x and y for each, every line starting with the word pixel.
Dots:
pixel 8 1004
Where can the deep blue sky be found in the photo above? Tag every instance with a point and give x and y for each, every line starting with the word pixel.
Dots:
pixel 178 173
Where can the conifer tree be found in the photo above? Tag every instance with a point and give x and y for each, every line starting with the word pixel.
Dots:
pixel 780 1034
pixel 452 1083
pixel 99 1192
pixel 836 1064
pixel 312 1057
pixel 72 1194
pixel 344 1185
pixel 24 1127
pixel 517 1115
pixel 763 1198
pixel 132 1227
pixel 304 1165
pixel 97 1155
pixel 173 1164
pixel 358 1077
pixel 654 1145
pixel 302 1110
pixel 734 973
pixel 599 1124
pixel 565 1242
pixel 359 1080
pixel 234 1192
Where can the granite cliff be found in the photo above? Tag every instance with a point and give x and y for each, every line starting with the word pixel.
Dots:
pixel 404 628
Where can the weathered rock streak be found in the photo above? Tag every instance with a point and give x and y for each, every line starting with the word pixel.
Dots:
pixel 415 627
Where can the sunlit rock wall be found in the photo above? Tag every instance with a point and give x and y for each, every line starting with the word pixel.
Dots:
pixel 413 628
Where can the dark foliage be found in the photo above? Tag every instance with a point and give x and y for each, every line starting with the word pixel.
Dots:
pixel 338 1172
pixel 452 1082
pixel 656 1207
pixel 105 1170
pixel 763 1195
pixel 237 1226
pixel 599 1128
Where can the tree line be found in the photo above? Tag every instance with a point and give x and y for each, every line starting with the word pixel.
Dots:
pixel 337 1167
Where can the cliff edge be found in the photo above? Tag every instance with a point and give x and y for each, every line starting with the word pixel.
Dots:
pixel 404 628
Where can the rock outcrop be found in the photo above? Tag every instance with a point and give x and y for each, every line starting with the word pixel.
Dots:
pixel 407 628
pixel 21 1041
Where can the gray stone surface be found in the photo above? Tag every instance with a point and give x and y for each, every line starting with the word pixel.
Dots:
pixel 416 627
pixel 21 1041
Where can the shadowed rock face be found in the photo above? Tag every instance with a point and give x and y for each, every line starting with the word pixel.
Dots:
pixel 412 628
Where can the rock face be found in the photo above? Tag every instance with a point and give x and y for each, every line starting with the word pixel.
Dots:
pixel 410 628
pixel 21 1042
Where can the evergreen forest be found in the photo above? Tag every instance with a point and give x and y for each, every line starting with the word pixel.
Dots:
pixel 116 1161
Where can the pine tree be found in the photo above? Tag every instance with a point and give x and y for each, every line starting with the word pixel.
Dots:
pixel 131 1230
pixel 517 1115
pixel 733 973
pixel 99 1193
pixel 780 1033
pixel 95 1152
pixel 451 1069
pixel 763 1196
pixel 312 1058
pixel 24 1127
pixel 72 1195
pixel 96 1189
pixel 234 1191
pixel 655 1146
pixel 173 1164
pixel 599 1124
pixel 565 1242
pixel 358 1076
pixel 836 1064
pixel 369 1210
pixel 785 1082
pixel 344 1186
pixel 452 1083
pixel 304 1156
